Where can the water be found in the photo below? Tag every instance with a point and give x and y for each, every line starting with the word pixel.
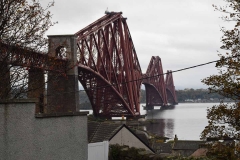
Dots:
pixel 187 120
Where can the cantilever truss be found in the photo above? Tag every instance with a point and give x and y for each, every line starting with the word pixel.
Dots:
pixel 108 67
pixel 155 85
pixel 170 88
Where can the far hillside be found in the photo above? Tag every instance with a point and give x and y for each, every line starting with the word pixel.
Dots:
pixel 191 95
pixel 183 96
pixel 197 95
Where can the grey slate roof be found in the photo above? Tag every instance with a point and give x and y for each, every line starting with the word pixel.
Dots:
pixel 98 132
pixel 92 127
pixel 163 147
pixel 186 145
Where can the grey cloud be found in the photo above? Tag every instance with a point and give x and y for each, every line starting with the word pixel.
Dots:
pixel 182 33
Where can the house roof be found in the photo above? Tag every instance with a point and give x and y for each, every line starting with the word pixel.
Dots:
pixel 186 145
pixel 102 131
pixel 200 152
pixel 163 147
pixel 143 137
pixel 92 127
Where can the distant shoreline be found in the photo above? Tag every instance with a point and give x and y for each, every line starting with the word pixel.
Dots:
pixel 209 102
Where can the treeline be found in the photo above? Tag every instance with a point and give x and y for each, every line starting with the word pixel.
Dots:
pixel 186 95
pixel 196 94
pixel 190 95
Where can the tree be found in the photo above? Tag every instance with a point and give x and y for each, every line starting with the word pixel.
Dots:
pixel 22 25
pixel 117 152
pixel 224 119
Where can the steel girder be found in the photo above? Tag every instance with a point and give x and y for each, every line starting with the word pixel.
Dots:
pixel 108 67
pixel 153 98
pixel 30 59
pixel 154 83
pixel 170 88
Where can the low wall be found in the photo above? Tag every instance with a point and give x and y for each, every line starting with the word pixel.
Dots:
pixel 98 151
pixel 26 136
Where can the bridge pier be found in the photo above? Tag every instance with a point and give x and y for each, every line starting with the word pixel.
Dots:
pixel 62 90
pixel 36 87
pixel 5 84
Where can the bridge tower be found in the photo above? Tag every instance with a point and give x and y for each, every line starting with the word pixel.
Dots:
pixel 108 67
pixel 154 84
pixel 5 85
pixel 170 88
pixel 62 91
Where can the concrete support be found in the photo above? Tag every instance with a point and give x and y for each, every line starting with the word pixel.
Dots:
pixel 36 87
pixel 62 91
pixel 43 136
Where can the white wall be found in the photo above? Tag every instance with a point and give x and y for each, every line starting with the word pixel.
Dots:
pixel 98 151
pixel 125 137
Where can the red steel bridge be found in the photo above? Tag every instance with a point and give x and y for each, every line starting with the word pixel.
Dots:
pixel 103 58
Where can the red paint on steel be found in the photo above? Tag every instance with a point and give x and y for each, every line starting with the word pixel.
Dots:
pixel 108 67
pixel 17 56
pixel 170 88
pixel 155 86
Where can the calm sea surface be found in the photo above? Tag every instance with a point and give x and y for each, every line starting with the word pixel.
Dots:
pixel 187 120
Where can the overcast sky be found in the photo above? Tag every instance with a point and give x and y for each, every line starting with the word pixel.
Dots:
pixel 182 33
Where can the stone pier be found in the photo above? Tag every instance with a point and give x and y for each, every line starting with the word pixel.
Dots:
pixel 62 90
pixel 36 87
pixel 5 86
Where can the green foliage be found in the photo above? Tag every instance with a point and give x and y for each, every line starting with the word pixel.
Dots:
pixel 117 152
pixel 221 151
pixel 185 158
pixel 223 119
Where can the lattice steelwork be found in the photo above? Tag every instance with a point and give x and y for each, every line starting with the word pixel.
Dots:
pixel 108 67
pixel 170 88
pixel 155 85
pixel 30 59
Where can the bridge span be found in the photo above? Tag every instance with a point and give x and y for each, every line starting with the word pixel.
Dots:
pixel 103 58
pixel 159 91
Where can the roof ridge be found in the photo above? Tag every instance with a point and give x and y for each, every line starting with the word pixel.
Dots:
pixel 100 132
pixel 114 131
